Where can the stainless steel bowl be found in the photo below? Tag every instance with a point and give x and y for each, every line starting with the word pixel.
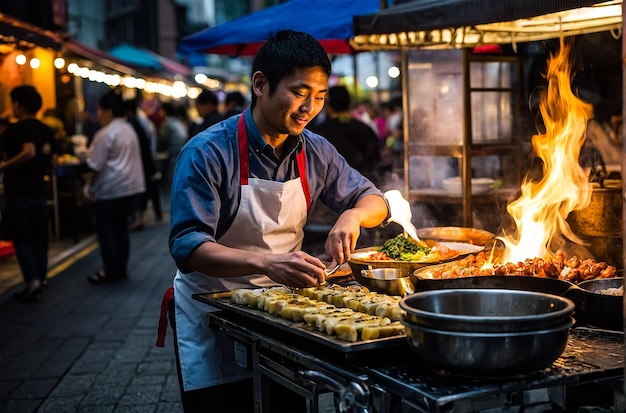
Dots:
pixel 488 354
pixel 486 310
pixel 393 281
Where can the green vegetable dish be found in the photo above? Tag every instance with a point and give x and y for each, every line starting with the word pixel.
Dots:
pixel 403 248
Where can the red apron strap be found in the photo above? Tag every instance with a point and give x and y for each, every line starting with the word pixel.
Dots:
pixel 167 298
pixel 301 158
pixel 244 160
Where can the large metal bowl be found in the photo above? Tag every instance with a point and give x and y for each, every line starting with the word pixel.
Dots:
pixel 486 310
pixel 488 354
pixel 391 281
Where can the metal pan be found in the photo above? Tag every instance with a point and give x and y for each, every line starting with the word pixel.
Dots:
pixel 509 282
pixel 473 236
pixel 597 309
pixel 592 308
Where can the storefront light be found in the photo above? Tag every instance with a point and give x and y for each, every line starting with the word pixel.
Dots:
pixel 112 80
pixel 129 81
pixel 193 92
pixel 393 72
pixel 201 78
pixel 371 82
pixel 20 59
pixel 35 63
pixel 59 63
pixel 177 89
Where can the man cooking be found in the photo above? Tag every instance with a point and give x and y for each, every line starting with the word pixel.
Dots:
pixel 241 193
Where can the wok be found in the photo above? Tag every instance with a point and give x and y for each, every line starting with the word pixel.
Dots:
pixel 600 310
pixel 593 309
pixel 509 282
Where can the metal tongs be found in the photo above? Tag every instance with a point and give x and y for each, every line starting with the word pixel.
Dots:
pixel 328 270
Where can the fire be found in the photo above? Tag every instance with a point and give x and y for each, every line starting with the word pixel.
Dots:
pixel 541 210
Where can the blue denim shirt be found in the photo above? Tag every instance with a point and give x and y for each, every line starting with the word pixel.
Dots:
pixel 205 189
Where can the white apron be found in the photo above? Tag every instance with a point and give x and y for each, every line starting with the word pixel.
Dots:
pixel 271 218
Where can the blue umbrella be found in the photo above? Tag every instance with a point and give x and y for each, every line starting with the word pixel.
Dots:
pixel 329 21
pixel 144 58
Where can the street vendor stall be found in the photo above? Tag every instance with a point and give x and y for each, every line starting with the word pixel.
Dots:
pixel 301 340
pixel 382 375
pixel 345 348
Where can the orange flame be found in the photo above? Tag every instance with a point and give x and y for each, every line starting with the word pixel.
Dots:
pixel 543 206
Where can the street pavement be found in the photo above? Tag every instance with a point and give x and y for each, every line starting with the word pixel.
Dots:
pixel 91 348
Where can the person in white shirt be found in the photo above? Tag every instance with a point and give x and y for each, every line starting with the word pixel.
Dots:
pixel 114 156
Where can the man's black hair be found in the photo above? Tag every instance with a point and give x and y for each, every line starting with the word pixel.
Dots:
pixel 170 109
pixel 28 98
pixel 114 102
pixel 207 96
pixel 286 51
pixel 338 98
pixel 235 97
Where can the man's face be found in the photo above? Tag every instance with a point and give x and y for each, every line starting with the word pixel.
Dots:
pixel 298 98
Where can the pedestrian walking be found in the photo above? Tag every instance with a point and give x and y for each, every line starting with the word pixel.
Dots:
pixel 28 152
pixel 114 157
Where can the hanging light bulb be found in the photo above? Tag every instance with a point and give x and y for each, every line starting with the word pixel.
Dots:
pixel 20 59
pixel 59 63
pixel 35 63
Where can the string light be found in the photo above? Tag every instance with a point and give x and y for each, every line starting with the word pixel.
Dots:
pixel 175 89
pixel 59 63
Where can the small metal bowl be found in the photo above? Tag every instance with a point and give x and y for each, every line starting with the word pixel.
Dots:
pixel 392 281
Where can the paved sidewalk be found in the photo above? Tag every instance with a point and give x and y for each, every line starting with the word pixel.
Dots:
pixel 91 348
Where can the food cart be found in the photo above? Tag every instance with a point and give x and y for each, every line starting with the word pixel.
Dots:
pixel 381 375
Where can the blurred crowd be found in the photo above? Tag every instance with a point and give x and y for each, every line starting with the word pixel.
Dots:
pixel 130 147
pixel 370 136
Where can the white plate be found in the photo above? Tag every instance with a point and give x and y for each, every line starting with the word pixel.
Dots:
pixel 479 185
pixel 461 247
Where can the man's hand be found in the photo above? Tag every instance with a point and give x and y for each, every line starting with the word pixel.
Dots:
pixel 369 211
pixel 343 236
pixel 295 269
